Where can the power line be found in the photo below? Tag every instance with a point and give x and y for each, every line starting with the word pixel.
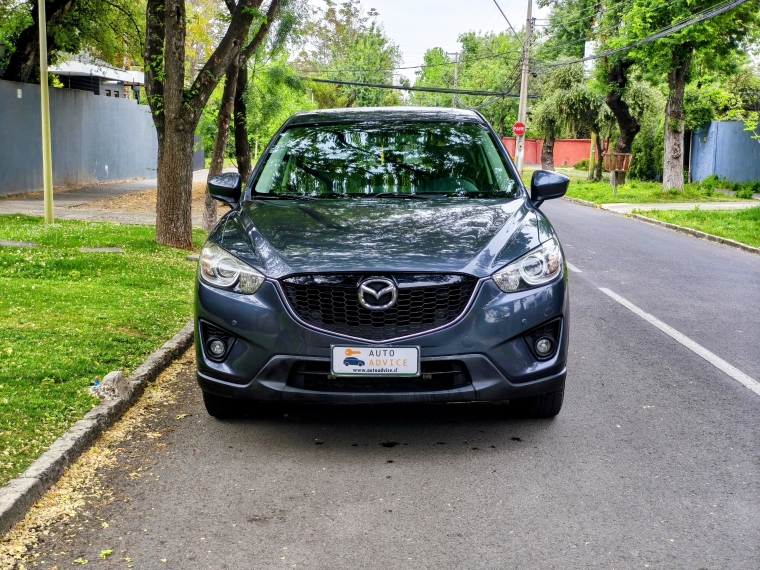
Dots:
pixel 423 89
pixel 693 20
pixel 508 22
pixel 492 56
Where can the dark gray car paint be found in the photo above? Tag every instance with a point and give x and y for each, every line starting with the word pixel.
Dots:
pixel 476 237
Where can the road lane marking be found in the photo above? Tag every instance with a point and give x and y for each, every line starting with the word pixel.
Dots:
pixel 698 349
pixel 572 267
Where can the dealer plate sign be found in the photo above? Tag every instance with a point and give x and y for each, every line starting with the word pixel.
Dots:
pixel 375 361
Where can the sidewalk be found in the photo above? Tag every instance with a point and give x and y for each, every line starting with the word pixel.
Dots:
pixel 628 208
pixel 64 202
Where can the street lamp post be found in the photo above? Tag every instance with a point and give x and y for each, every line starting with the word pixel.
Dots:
pixel 47 153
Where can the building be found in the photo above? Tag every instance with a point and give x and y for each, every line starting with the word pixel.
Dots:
pixel 88 74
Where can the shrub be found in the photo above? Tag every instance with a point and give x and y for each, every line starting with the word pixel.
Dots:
pixel 745 192
pixel 581 165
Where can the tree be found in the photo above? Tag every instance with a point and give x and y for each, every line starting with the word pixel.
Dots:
pixel 111 30
pixel 576 24
pixel 715 41
pixel 570 106
pixel 348 45
pixel 488 62
pixel 233 108
pixel 176 107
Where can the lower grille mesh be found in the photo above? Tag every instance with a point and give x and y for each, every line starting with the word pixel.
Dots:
pixel 435 376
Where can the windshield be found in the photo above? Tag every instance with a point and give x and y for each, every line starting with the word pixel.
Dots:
pixel 386 160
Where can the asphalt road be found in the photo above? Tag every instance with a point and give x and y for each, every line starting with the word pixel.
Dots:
pixel 654 461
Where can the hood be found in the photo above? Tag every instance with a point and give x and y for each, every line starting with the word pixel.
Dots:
pixel 469 236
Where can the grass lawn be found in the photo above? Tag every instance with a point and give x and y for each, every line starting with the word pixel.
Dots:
pixel 67 318
pixel 738 225
pixel 635 192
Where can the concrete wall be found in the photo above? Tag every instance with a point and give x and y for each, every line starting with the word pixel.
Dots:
pixel 727 150
pixel 567 152
pixel 94 138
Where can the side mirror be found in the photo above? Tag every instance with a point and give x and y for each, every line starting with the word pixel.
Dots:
pixel 225 187
pixel 545 185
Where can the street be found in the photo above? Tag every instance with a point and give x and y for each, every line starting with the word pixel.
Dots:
pixel 652 463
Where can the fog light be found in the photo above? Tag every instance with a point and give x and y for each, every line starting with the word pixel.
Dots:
pixel 544 346
pixel 217 347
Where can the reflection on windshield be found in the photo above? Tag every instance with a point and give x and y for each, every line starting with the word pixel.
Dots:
pixel 366 159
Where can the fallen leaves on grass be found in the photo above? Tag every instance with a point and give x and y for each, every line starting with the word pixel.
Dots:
pixel 80 485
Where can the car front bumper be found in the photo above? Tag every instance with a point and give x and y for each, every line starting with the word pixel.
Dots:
pixel 488 341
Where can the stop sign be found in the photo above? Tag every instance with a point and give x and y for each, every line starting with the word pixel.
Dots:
pixel 519 129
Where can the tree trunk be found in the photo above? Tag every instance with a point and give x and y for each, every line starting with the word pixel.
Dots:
pixel 629 126
pixel 24 64
pixel 242 146
pixel 174 225
pixel 220 142
pixel 547 153
pixel 600 160
pixel 672 177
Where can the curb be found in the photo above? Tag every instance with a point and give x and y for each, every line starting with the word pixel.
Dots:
pixel 583 202
pixel 19 494
pixel 698 234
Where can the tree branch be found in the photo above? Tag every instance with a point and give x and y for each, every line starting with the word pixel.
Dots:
pixel 254 44
pixel 225 52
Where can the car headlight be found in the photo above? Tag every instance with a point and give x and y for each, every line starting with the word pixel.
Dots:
pixel 538 267
pixel 220 269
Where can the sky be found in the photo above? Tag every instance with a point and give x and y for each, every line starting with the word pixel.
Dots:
pixel 418 25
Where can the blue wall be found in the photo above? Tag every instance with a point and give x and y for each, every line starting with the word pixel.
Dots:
pixel 95 139
pixel 727 150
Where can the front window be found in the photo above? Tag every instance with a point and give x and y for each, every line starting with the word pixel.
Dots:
pixel 388 159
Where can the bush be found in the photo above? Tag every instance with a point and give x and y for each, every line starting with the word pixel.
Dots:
pixel 746 192
pixel 649 150
pixel 581 165
pixel 742 189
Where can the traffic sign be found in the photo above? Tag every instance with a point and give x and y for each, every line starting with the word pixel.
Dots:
pixel 519 129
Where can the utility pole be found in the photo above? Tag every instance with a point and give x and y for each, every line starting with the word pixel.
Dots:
pixel 47 153
pixel 456 77
pixel 522 112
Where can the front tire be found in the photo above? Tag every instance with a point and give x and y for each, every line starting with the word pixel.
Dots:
pixel 223 408
pixel 545 405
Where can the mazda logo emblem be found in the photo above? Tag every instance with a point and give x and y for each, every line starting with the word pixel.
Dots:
pixel 377 293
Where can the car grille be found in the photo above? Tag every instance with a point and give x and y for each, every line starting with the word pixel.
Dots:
pixel 435 376
pixel 425 302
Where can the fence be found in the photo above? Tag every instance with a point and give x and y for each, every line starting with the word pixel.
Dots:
pixel 94 138
pixel 726 150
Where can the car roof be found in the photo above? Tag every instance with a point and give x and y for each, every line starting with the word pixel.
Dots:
pixel 382 114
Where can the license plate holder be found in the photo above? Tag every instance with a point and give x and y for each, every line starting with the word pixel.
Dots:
pixel 375 360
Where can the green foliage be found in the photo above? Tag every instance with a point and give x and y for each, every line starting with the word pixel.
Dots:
pixel 744 190
pixel 342 38
pixel 111 30
pixel 275 93
pixel 67 318
pixel 649 150
pixel 581 165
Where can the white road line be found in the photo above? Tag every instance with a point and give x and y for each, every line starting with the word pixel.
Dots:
pixel 572 267
pixel 716 361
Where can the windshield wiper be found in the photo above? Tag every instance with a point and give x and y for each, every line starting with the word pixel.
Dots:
pixel 397 195
pixel 281 197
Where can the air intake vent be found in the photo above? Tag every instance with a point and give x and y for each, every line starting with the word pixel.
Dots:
pixel 425 302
